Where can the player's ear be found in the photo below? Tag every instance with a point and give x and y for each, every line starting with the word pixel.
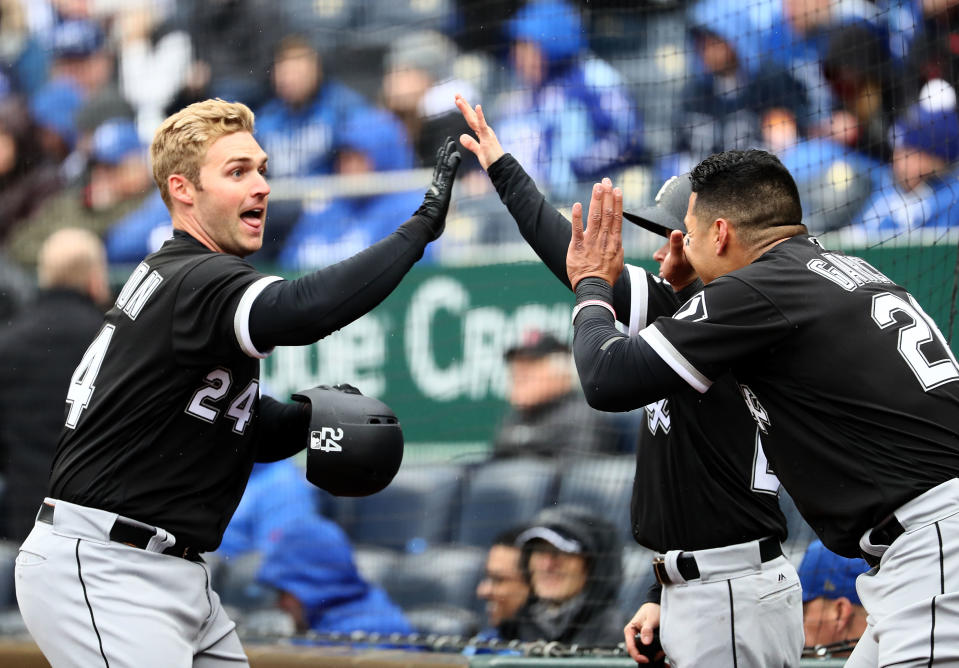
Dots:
pixel 843 612
pixel 181 189
pixel 722 235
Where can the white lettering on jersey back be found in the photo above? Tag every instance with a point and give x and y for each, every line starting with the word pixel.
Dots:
pixel 846 271
pixel 694 310
pixel 142 269
pixel 657 414
pixel 755 408
pixel 137 290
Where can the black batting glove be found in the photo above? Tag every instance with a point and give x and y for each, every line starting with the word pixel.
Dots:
pixel 436 202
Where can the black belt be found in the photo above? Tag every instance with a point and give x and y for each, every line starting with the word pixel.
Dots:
pixel 884 533
pixel 128 533
pixel 769 549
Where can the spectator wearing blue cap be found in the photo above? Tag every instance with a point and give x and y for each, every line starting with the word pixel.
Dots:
pixel 118 182
pixel 569 118
pixel 78 47
pixel 832 611
pixel 920 188
pixel 54 108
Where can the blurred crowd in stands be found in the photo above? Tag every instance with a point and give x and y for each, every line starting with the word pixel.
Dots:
pixel 857 97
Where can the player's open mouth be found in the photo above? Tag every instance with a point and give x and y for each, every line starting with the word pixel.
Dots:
pixel 253 216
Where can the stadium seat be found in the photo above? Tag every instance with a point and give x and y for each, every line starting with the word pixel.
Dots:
pixel 602 484
pixel 375 563
pixel 235 581
pixel 415 511
pixel 502 493
pixel 442 574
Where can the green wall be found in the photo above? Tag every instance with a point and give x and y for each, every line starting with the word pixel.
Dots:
pixel 433 349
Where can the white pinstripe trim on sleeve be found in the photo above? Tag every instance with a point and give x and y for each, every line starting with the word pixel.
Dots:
pixel 674 359
pixel 638 299
pixel 241 319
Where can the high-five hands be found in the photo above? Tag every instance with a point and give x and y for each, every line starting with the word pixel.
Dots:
pixel 597 251
pixel 436 202
pixel 486 146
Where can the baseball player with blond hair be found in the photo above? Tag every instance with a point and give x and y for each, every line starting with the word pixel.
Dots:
pixel 164 418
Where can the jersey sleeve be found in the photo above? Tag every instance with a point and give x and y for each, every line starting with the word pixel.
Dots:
pixel 649 297
pixel 715 330
pixel 212 311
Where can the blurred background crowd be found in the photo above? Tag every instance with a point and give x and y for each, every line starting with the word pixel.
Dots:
pixel 856 97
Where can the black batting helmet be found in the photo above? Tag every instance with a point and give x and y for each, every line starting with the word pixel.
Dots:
pixel 355 442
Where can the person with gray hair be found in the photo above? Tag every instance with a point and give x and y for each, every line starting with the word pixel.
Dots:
pixel 38 352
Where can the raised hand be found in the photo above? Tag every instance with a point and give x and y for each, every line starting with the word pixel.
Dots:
pixel 597 251
pixel 674 267
pixel 486 146
pixel 436 202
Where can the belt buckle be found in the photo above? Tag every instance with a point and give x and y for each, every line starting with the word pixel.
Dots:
pixel 659 568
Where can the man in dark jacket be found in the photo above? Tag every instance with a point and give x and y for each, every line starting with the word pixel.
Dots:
pixel 574 565
pixel 38 352
pixel 548 416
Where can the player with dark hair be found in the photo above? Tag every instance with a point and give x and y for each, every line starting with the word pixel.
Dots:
pixel 702 495
pixel 850 382
pixel 164 418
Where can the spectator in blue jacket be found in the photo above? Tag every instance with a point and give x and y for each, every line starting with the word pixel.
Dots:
pixel 732 95
pixel 305 556
pixel 920 189
pixel 299 127
pixel 329 231
pixel 569 118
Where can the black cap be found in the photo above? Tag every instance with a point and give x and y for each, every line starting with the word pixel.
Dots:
pixel 536 344
pixel 668 212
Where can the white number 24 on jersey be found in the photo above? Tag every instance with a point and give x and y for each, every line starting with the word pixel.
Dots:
pixel 81 383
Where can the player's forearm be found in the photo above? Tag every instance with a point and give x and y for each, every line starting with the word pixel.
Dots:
pixel 544 228
pixel 305 310
pixel 618 373
pixel 282 429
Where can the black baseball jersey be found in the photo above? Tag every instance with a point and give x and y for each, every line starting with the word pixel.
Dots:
pixel 852 385
pixel 701 480
pixel 161 413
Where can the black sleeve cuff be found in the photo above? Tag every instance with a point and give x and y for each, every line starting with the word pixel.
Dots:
pixel 592 287
pixel 499 168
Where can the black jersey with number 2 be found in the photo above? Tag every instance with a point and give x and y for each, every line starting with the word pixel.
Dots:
pixel 851 383
pixel 161 413
pixel 701 478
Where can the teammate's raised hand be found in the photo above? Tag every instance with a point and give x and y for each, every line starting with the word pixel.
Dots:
pixel 436 202
pixel 673 265
pixel 486 146
pixel 597 251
